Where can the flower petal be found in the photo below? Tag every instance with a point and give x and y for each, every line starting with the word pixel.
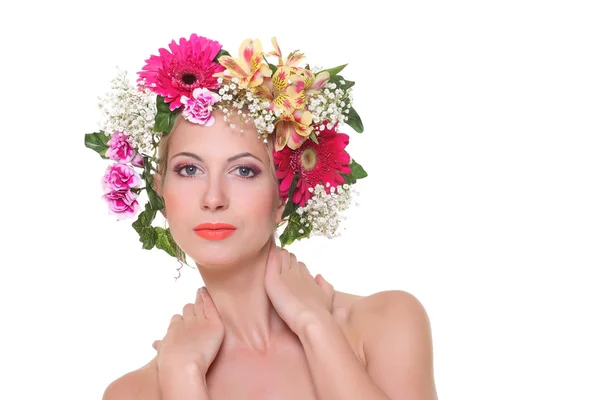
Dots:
pixel 283 130
pixel 295 141
pixel 249 51
pixel 234 68
pixel 320 81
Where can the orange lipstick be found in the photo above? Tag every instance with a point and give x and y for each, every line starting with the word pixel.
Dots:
pixel 218 231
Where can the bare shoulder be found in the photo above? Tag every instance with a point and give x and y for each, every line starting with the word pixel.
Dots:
pixel 342 300
pixel 139 384
pixel 397 343
pixel 395 304
pixel 380 306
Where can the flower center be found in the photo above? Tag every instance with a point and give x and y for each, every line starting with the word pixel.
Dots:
pixel 188 79
pixel 308 159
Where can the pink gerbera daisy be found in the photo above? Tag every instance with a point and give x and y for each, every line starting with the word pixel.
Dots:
pixel 189 65
pixel 316 163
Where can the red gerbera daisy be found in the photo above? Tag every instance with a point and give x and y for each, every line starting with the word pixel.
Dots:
pixel 316 163
pixel 188 66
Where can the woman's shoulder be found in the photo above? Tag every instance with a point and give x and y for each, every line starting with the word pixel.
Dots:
pixel 390 313
pixel 139 384
pixel 380 304
pixel 396 342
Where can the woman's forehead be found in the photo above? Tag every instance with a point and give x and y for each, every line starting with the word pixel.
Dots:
pixel 218 141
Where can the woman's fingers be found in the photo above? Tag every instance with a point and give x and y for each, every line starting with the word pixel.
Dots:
pixel 210 311
pixel 326 286
pixel 289 260
pixel 155 344
pixel 188 310
pixel 176 317
pixel 199 305
pixel 303 269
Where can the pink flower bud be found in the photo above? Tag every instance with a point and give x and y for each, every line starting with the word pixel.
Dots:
pixel 138 161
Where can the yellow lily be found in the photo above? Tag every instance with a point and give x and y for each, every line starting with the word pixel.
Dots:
pixel 249 68
pixel 292 59
pixel 292 129
pixel 313 84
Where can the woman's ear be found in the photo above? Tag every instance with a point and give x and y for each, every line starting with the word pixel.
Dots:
pixel 157 183
pixel 280 208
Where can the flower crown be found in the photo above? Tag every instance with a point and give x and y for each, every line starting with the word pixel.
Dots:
pixel 303 108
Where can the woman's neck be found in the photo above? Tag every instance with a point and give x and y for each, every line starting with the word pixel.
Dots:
pixel 248 316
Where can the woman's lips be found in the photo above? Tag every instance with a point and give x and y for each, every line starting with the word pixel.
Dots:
pixel 217 231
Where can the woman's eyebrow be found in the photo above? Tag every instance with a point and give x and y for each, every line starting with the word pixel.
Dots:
pixel 230 159
pixel 245 154
pixel 188 154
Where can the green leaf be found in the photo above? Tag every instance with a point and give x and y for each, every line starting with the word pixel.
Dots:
pixel 165 118
pixel 272 67
pixel 290 206
pixel 97 141
pixel 144 220
pixel 221 53
pixel 313 137
pixel 291 232
pixel 337 80
pixel 357 172
pixel 156 202
pixel 354 121
pixel 143 227
pixel 166 242
pixel 148 238
pixel 334 71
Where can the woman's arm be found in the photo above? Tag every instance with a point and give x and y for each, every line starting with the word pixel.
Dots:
pixel 182 383
pixel 397 347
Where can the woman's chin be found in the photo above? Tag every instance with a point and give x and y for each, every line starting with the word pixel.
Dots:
pixel 217 257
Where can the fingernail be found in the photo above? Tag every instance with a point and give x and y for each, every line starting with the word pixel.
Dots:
pixel 203 289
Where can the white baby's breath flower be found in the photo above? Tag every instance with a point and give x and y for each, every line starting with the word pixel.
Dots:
pixel 132 110
pixel 324 208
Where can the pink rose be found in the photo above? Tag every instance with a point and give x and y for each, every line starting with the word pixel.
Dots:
pixel 119 148
pixel 198 109
pixel 120 177
pixel 122 203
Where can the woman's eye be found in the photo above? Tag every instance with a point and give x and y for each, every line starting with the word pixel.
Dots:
pixel 245 171
pixel 188 170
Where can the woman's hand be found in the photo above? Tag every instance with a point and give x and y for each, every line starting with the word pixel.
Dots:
pixel 194 338
pixel 298 297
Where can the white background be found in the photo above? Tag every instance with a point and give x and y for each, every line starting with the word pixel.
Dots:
pixel 481 142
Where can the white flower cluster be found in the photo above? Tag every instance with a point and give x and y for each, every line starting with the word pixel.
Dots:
pixel 332 105
pixel 233 100
pixel 323 210
pixel 132 111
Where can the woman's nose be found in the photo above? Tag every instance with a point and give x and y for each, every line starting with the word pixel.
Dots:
pixel 215 197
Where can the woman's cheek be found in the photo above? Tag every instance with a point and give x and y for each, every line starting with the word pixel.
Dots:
pixel 176 198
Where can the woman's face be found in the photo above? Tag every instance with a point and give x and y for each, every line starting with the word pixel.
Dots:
pixel 219 175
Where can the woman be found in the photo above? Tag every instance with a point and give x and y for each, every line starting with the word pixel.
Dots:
pixel 262 327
